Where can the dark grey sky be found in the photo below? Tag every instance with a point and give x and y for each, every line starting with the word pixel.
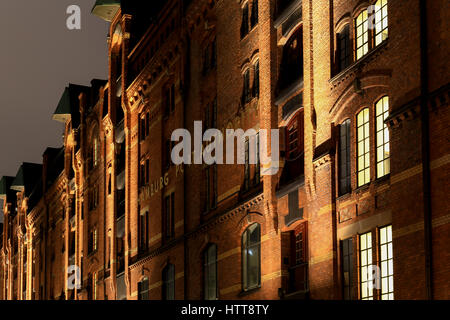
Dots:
pixel 39 56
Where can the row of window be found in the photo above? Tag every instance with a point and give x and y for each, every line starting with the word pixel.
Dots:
pixel 251 269
pixel 373 275
pixel 249 19
pixel 250 92
pixel 363 147
pixel 371 29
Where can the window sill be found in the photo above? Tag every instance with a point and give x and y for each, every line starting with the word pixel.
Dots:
pixel 248 292
pixel 358 64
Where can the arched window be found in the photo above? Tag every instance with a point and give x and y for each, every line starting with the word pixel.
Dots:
pixel 168 287
pixel 363 147
pixel 294 136
pixel 291 69
pixel 251 257
pixel 210 272
pixel 362 34
pixel 344 49
pixel 381 21
pixel 382 137
pixel 344 158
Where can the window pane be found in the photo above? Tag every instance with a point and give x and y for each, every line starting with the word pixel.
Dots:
pixel 387 263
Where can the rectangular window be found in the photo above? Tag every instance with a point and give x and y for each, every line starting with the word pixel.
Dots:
pixel 147 171
pixel 365 257
pixel 244 25
pixel 143 290
pixel 382 137
pixel 258 161
pixel 94 285
pixel 251 257
pixel 362 34
pixel 214 187
pixel 210 272
pixel 169 212
pixel 347 268
pixel 246 91
pixel 147 124
pixel 256 80
pixel 254 17
pixel 344 158
pixel 387 264
pixel 208 188
pixel 143 231
pixel 168 287
pixel 363 147
pixel 247 165
pixel 343 48
pixel 381 21
pixel 143 129
pixel 142 174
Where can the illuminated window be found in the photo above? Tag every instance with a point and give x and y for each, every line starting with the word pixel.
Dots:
pixel 365 255
pixel 210 272
pixel 387 264
pixel 251 257
pixel 383 150
pixel 362 34
pixel 381 21
pixel 363 147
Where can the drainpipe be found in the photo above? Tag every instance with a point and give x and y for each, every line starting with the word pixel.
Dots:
pixel 425 148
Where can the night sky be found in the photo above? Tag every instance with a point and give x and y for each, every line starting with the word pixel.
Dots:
pixel 39 56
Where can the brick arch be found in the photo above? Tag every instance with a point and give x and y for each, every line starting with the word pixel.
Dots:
pixel 368 82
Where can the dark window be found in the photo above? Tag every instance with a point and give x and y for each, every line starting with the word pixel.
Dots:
pixel 210 272
pixel 247 165
pixel 142 174
pixel 291 68
pixel 343 49
pixel 244 25
pixel 143 290
pixel 294 137
pixel 347 268
pixel 254 17
pixel 169 100
pixel 246 87
pixel 344 158
pixel 256 80
pixel 147 171
pixel 168 287
pixel 169 212
pixel 147 124
pixel 251 257
pixel 258 161
pixel 92 241
pixel 142 125
pixel 143 231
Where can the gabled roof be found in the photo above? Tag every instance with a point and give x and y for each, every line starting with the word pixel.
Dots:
pixel 68 106
pixel 28 175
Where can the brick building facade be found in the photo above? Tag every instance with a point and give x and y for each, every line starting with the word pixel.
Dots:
pixel 360 93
